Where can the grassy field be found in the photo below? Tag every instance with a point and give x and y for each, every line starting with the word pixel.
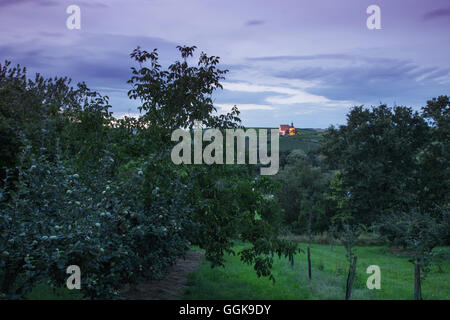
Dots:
pixel 45 292
pixel 306 140
pixel 329 270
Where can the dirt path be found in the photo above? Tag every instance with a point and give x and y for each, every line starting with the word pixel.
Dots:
pixel 172 286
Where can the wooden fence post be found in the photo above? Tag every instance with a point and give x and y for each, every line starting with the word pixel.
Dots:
pixel 350 278
pixel 309 263
pixel 417 285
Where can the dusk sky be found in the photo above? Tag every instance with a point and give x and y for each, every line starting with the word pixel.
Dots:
pixel 299 61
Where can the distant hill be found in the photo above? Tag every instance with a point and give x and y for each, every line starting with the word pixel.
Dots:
pixel 306 140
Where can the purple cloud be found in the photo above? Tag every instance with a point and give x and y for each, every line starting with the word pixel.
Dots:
pixel 321 48
pixel 92 4
pixel 254 23
pixel 359 77
pixel 439 13
pixel 44 3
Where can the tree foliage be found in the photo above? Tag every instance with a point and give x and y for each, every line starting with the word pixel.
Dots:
pixel 80 187
pixel 376 154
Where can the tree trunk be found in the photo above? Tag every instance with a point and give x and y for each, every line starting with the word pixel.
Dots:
pixel 309 263
pixel 291 259
pixel 350 278
pixel 417 285
pixel 9 278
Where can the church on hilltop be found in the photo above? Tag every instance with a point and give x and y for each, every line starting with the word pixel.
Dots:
pixel 287 130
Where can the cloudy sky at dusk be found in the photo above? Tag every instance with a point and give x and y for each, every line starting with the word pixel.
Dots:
pixel 296 61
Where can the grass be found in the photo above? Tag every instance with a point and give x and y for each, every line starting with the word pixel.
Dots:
pixel 365 239
pixel 329 270
pixel 45 292
pixel 306 140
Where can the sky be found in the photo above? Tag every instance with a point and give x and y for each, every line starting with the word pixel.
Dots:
pixel 306 62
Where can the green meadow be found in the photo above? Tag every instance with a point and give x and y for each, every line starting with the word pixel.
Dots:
pixel 329 271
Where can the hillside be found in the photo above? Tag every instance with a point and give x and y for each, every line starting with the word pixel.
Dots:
pixel 306 140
